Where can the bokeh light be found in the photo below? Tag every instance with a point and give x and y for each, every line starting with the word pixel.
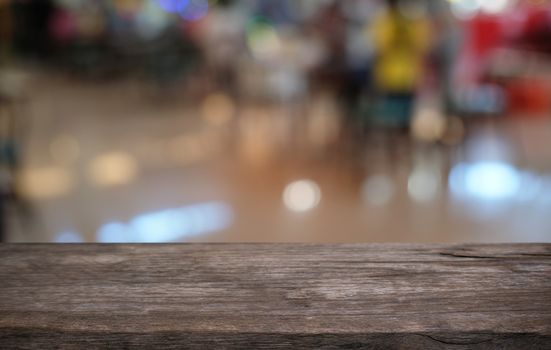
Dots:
pixel 169 225
pixel 113 168
pixel 173 6
pixel 428 125
pixel 378 190
pixel 302 195
pixel 487 181
pixel 47 182
pixel 195 10
pixel 424 184
pixel 263 40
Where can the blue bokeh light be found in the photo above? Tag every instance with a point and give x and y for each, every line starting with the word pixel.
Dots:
pixel 195 10
pixel 169 225
pixel 488 181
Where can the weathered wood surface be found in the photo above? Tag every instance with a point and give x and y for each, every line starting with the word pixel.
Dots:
pixel 258 296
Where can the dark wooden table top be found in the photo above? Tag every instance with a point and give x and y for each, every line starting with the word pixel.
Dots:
pixel 258 296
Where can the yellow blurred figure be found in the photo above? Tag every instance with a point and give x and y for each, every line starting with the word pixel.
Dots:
pixel 401 38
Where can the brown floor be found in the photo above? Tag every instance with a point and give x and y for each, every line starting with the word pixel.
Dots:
pixel 119 161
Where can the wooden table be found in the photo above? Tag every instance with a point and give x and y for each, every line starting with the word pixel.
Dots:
pixel 266 296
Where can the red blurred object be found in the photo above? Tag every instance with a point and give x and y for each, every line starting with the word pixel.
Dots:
pixel 529 97
pixel 486 34
pixel 536 32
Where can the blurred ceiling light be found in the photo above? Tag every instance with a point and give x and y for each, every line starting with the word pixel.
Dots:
pixel 169 225
pixel 65 149
pixel 485 181
pixel 378 190
pixel 301 196
pixel 217 109
pixel 68 237
pixel 46 182
pixel 424 184
pixel 112 169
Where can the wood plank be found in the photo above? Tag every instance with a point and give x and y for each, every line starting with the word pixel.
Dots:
pixel 275 296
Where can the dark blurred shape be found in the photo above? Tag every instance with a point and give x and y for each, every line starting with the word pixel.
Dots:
pixel 30 21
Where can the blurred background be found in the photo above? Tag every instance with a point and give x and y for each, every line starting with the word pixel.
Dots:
pixel 275 121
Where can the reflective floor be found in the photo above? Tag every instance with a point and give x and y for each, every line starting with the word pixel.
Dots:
pixel 125 162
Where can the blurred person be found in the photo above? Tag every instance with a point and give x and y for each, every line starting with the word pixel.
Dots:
pixel 221 38
pixel 359 61
pixel 401 36
pixel 447 42
pixel 330 75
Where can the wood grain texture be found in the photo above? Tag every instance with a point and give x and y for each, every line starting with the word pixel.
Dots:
pixel 272 296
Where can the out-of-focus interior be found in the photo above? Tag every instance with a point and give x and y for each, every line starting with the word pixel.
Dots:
pixel 275 120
